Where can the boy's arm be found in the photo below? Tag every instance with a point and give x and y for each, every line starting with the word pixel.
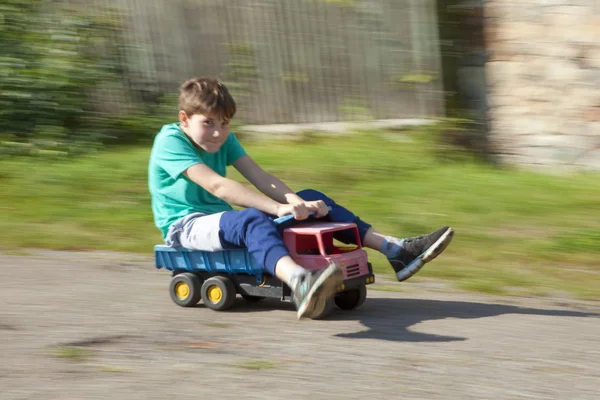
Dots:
pixel 275 189
pixel 235 193
pixel 229 190
pixel 263 181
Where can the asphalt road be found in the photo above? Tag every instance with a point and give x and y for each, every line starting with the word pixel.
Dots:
pixel 90 325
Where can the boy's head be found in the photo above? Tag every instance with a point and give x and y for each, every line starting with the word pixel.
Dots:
pixel 205 109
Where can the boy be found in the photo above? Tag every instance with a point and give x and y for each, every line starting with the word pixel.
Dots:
pixel 191 196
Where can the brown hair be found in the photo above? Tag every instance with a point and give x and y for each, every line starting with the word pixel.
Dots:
pixel 206 96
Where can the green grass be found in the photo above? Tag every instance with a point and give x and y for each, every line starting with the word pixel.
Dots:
pixel 71 353
pixel 516 232
pixel 257 364
pixel 113 369
pixel 218 325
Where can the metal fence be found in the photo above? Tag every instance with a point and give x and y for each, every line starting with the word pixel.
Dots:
pixel 292 60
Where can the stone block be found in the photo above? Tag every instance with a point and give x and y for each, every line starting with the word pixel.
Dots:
pixel 501 71
pixel 546 94
pixel 591 78
pixel 585 96
pixel 592 114
pixel 545 81
pixel 589 160
pixel 532 125
pixel 506 31
pixel 496 101
pixel 563 71
pixel 593 57
pixel 544 140
pixel 527 92
pixel 572 10
pixel 520 31
pixel 542 155
pixel 592 129
pixel 512 11
pixel 555 49
pixel 581 141
pixel 590 32
pixel 549 3
pixel 578 126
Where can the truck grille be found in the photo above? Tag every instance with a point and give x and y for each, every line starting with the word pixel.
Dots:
pixel 352 270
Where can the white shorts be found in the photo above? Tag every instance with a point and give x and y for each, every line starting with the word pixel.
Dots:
pixel 196 231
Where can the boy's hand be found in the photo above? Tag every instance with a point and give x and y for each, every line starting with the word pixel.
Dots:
pixel 319 207
pixel 300 209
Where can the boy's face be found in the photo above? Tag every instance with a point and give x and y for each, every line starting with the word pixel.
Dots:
pixel 208 132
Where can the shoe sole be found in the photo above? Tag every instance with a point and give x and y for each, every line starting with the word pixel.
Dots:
pixel 428 255
pixel 324 288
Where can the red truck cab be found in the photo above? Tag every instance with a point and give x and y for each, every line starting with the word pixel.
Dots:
pixel 314 246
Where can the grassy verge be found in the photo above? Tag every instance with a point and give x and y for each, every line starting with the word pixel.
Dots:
pixel 517 232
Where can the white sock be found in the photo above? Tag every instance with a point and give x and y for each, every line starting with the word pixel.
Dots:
pixel 296 277
pixel 391 246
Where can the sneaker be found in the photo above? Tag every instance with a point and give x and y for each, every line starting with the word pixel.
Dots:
pixel 315 288
pixel 417 251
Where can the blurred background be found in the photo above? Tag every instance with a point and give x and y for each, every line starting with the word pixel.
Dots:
pixel 108 70
pixel 415 114
pixel 484 116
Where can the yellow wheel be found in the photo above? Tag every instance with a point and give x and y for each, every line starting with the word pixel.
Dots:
pixel 185 289
pixel 182 290
pixel 218 293
pixel 214 294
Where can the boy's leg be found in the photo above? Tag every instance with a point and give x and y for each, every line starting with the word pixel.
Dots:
pixel 338 214
pixel 406 255
pixel 310 289
pixel 255 230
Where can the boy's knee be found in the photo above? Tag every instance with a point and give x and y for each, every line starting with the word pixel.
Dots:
pixel 238 219
pixel 312 195
pixel 254 215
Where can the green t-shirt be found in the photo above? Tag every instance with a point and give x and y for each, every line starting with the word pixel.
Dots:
pixel 173 194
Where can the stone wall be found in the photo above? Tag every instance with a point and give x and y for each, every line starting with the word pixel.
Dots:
pixel 543 76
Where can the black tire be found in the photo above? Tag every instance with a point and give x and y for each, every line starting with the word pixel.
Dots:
pixel 218 293
pixel 185 289
pixel 325 312
pixel 252 299
pixel 351 299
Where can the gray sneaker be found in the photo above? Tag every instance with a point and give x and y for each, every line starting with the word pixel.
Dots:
pixel 315 288
pixel 417 251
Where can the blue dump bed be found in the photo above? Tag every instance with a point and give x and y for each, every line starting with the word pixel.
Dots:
pixel 237 261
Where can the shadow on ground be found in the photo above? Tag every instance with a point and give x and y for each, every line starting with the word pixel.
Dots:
pixel 391 319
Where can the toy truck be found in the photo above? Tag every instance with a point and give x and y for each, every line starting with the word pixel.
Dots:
pixel 217 277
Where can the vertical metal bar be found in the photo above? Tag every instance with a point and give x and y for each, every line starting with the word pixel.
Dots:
pixel 416 47
pixel 435 50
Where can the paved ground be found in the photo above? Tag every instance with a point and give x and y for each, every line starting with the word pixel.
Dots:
pixel 102 326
